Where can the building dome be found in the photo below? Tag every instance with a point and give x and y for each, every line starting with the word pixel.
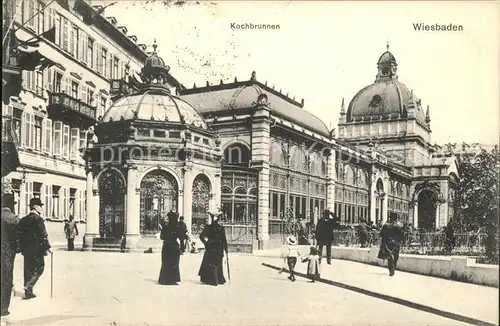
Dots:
pixel 154 106
pixel 386 98
pixel 153 101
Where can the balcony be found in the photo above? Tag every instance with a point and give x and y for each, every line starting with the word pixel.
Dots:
pixel 63 107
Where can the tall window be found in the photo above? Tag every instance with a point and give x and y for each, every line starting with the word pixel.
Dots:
pixel 40 17
pixel 74 89
pixel 66 141
pixel 37 190
pixel 58 129
pixel 58 82
pixel 90 52
pixel 90 96
pixel 58 29
pixel 72 202
pixel 17 122
pixel 37 133
pixel 74 143
pixel 30 19
pixel 65 33
pixel 115 68
pixel 74 42
pixel 104 56
pixel 39 83
pixel 55 201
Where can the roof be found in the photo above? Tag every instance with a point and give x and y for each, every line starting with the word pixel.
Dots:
pixel 241 95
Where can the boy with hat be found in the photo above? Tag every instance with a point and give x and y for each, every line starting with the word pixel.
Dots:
pixel 34 245
pixel 291 253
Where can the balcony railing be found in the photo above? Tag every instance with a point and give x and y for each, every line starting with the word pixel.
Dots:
pixel 74 105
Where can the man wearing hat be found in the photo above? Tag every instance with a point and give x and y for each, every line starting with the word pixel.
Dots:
pixel 9 248
pixel 324 234
pixel 392 236
pixel 34 245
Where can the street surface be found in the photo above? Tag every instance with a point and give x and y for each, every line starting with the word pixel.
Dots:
pixel 98 288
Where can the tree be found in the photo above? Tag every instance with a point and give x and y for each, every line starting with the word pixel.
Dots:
pixel 478 195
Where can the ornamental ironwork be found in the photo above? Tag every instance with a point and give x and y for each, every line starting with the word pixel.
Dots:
pixel 111 186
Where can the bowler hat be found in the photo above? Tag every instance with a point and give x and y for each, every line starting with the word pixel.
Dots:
pixel 35 202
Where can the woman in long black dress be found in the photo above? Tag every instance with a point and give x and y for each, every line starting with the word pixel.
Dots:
pixel 170 253
pixel 213 237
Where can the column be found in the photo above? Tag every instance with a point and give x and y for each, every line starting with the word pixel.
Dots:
pixel 330 188
pixel 384 206
pixel 260 159
pixel 415 214
pixel 132 210
pixel 373 201
pixel 92 223
pixel 187 204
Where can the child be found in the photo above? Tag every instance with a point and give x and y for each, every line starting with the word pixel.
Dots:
pixel 313 264
pixel 290 254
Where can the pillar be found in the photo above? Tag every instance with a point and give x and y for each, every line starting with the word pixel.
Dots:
pixel 261 128
pixel 384 205
pixel 132 210
pixel 373 203
pixel 187 200
pixel 415 215
pixel 330 186
pixel 92 223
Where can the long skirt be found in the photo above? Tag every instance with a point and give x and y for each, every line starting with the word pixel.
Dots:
pixel 170 256
pixel 211 271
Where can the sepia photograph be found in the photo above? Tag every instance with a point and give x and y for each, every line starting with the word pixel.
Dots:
pixel 244 162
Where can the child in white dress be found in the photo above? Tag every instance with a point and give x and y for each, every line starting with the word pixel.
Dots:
pixel 313 265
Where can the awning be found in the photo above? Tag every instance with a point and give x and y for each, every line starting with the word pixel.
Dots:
pixel 30 59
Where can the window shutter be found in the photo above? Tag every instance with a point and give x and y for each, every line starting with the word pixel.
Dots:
pixel 65 144
pixel 33 81
pixel 65 202
pixel 24 84
pixel 46 201
pixel 122 69
pixel 94 52
pixel 65 28
pixel 83 46
pixel 71 40
pixel 48 136
pixel 111 72
pixel 57 22
pixel 68 85
pixel 84 94
pixel 49 80
pixel 98 50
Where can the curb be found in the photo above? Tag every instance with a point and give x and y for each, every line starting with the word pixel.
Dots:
pixel 410 304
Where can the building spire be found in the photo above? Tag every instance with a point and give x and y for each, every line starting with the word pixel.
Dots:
pixel 155 46
pixel 342 108
pixel 427 115
pixel 387 45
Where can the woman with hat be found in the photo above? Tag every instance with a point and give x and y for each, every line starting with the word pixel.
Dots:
pixel 170 252
pixel 213 237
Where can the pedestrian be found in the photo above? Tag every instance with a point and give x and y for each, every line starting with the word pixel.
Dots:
pixel 71 231
pixel 313 264
pixel 362 233
pixel 213 237
pixel 170 252
pixel 10 246
pixel 392 237
pixel 290 255
pixel 183 233
pixel 324 234
pixel 34 244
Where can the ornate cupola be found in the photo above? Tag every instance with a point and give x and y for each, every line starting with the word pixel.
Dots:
pixel 387 67
pixel 155 73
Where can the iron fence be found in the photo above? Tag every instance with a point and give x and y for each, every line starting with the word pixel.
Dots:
pixel 418 242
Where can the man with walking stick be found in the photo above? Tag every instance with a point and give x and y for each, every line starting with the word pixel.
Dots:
pixel 35 244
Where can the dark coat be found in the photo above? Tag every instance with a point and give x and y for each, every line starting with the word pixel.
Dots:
pixel 324 230
pixel 213 237
pixel 170 254
pixel 33 236
pixel 392 236
pixel 10 241
pixel 183 231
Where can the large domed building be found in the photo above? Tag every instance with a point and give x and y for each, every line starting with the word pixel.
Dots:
pixel 260 156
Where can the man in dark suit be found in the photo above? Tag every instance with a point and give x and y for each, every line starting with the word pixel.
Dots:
pixel 10 246
pixel 324 234
pixel 392 236
pixel 34 246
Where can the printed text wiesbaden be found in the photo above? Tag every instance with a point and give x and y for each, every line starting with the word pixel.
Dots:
pixel 437 27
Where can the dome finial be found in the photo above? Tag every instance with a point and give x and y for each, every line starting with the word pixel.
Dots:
pixel 387 45
pixel 342 108
pixel 154 46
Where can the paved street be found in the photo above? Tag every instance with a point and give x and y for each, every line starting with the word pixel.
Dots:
pixel 115 288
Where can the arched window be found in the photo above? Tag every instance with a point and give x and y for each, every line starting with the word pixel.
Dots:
pixel 200 200
pixel 112 205
pixel 349 175
pixel 236 154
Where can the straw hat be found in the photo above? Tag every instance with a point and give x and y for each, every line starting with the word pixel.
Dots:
pixel 291 240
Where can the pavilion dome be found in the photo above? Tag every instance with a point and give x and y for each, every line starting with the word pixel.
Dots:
pixel 153 102
pixel 386 98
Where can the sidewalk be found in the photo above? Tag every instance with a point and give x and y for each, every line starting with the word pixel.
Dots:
pixel 469 300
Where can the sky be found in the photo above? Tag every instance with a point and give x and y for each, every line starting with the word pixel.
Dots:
pixel 325 51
